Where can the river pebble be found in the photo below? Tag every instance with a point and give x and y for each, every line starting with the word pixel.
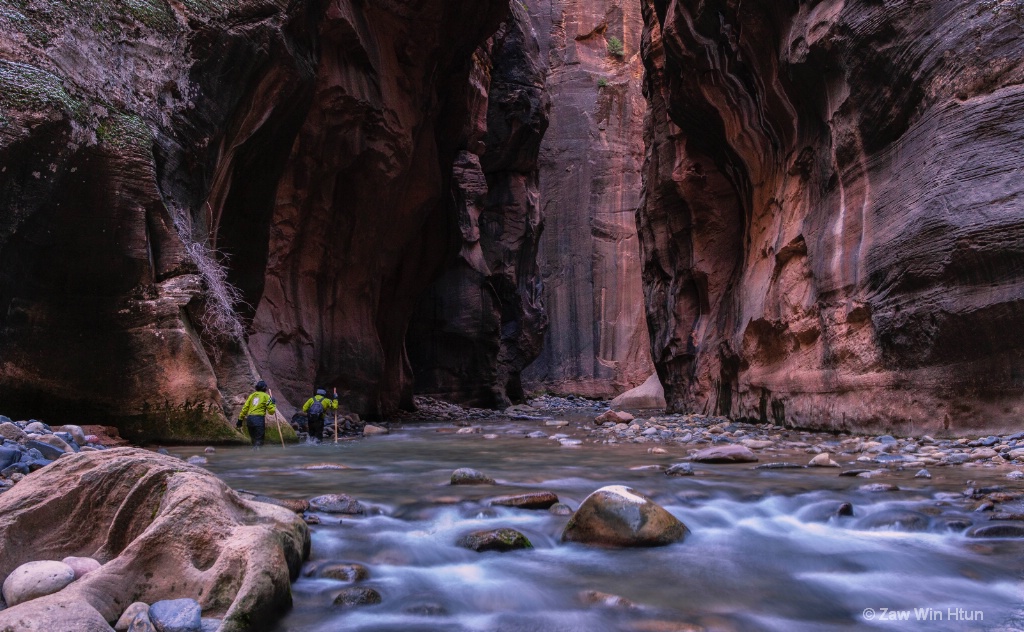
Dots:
pixel 36 579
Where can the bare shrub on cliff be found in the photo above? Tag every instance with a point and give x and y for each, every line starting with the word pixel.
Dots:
pixel 218 319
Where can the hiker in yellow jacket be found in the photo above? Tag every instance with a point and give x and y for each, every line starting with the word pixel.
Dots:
pixel 260 404
pixel 316 409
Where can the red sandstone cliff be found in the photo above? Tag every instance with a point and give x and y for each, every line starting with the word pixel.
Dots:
pixel 833 217
pixel 590 169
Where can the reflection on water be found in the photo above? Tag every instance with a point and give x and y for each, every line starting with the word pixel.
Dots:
pixel 767 551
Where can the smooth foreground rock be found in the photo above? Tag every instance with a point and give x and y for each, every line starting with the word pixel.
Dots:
pixel 620 516
pixel 161 528
pixel 176 615
pixel 36 579
pixel 725 454
pixel 495 540
pixel 823 460
pixel 468 476
pixel 650 394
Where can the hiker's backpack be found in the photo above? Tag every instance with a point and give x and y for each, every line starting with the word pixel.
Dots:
pixel 316 410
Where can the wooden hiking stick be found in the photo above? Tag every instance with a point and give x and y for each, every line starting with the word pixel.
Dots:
pixel 277 419
pixel 335 416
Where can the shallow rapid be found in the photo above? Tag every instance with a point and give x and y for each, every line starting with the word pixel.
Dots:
pixel 766 550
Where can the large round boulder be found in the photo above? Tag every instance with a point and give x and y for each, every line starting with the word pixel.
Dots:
pixel 36 579
pixel 620 516
pixel 162 529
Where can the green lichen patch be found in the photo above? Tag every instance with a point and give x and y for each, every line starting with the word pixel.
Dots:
pixel 187 423
pixel 156 14
pixel 124 131
pixel 25 88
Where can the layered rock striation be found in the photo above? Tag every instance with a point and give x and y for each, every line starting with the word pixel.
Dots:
pixel 590 181
pixel 832 228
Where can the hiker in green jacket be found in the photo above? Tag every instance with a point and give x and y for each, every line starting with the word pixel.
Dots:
pixel 260 404
pixel 316 408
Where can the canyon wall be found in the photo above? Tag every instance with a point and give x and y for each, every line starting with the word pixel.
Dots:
pixel 157 155
pixel 482 322
pixel 833 218
pixel 590 180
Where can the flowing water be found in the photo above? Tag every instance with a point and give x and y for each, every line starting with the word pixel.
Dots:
pixel 764 553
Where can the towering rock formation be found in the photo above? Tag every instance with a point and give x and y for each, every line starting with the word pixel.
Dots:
pixel 590 163
pixel 307 145
pixel 833 218
pixel 482 322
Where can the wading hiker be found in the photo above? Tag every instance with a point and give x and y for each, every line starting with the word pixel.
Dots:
pixel 260 404
pixel 316 409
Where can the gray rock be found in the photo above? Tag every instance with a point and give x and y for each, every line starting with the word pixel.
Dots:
pixel 560 509
pixel 357 596
pixel 46 450
pixel 467 476
pixel 1015 475
pixel 76 432
pixel 176 615
pixel 725 454
pixel 38 427
pixel 923 474
pixel 36 579
pixel 887 439
pixel 997 531
pixel 196 460
pixel 957 459
pixel 9 431
pixel 680 469
pixel 210 624
pixel 129 615
pixel 530 500
pixel 899 519
pixel 337 504
pixel 9 456
pixel 780 466
pixel 494 540
pixel 15 468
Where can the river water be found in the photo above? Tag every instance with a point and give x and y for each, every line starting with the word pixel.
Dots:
pixel 763 553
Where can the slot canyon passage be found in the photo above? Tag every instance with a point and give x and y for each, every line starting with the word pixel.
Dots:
pixel 623 300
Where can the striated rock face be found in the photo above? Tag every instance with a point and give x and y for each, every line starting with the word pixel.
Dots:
pixel 483 322
pixel 155 155
pixel 590 164
pixel 832 228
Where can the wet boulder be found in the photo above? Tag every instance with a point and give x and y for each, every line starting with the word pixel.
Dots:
pixel 357 596
pixel 531 500
pixel 997 531
pixel 495 540
pixel 337 504
pixel 725 454
pixel 343 571
pixel 680 469
pixel 468 476
pixel 620 516
pixel 898 519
